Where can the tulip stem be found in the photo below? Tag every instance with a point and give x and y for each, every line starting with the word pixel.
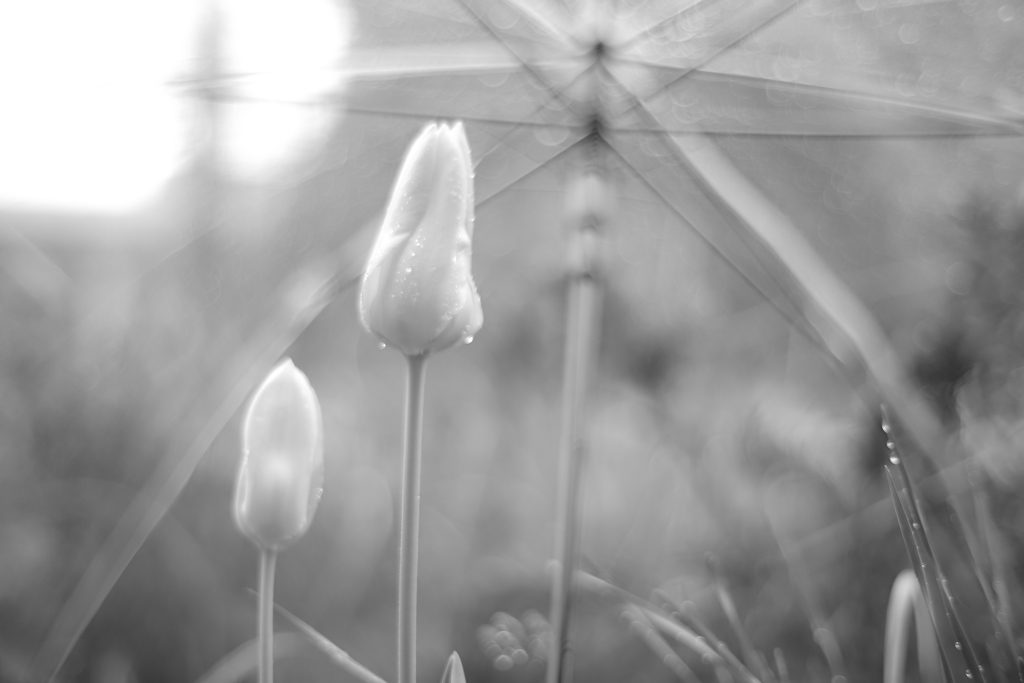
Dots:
pixel 408 548
pixel 581 322
pixel 265 624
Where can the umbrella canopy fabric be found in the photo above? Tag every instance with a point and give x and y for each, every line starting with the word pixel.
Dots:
pixel 804 155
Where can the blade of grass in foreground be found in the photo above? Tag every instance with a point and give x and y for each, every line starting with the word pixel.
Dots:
pixel 685 614
pixel 957 651
pixel 953 663
pixel 655 617
pixel 755 661
pixel 639 624
pixel 907 606
pixel 343 659
pixel 780 665
pixel 970 544
pixel 242 662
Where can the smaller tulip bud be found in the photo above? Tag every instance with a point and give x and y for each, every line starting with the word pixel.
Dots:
pixel 453 672
pixel 418 292
pixel 281 476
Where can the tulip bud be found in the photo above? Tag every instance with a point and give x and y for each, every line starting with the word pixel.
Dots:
pixel 418 292
pixel 453 672
pixel 281 476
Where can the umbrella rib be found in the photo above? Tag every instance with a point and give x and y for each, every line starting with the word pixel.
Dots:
pixel 426 116
pixel 826 91
pixel 906 135
pixel 793 318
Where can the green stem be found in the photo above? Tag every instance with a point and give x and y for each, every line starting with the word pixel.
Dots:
pixel 265 624
pixel 580 324
pixel 408 548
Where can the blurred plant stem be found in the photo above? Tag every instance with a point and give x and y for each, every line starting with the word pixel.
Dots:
pixel 408 548
pixel 265 627
pixel 907 605
pixel 581 322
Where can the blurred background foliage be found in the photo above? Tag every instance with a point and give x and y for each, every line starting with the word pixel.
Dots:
pixel 715 427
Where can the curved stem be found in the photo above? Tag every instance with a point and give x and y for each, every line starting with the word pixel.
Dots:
pixel 408 549
pixel 265 624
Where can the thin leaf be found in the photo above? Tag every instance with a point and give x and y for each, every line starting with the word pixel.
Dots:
pixel 952 635
pixel 906 606
pixel 343 659
pixel 685 613
pixel 952 657
pixel 241 663
pixel 755 661
pixel 453 671
pixel 780 665
pixel 657 617
pixel 642 626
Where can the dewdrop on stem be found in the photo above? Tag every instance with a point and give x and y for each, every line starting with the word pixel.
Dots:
pixel 280 479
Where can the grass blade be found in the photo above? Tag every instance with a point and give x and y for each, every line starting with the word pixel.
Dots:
pixel 907 605
pixel 755 661
pixel 453 671
pixel 686 614
pixel 343 659
pixel 780 665
pixel 642 626
pixel 958 653
pixel 655 616
pixel 242 662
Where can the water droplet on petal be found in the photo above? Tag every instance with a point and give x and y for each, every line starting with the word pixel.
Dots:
pixel 408 269
pixel 467 340
pixel 382 346
pixel 969 674
pixel 890 444
pixel 894 459
pixel 957 645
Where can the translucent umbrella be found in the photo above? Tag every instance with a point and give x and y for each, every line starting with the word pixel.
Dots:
pixel 807 145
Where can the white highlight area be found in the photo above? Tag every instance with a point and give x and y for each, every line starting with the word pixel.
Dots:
pixel 283 56
pixel 90 120
pixel 86 121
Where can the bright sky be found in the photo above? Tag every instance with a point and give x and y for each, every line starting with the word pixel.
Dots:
pixel 88 121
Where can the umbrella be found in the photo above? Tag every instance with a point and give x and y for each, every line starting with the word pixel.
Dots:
pixel 807 152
